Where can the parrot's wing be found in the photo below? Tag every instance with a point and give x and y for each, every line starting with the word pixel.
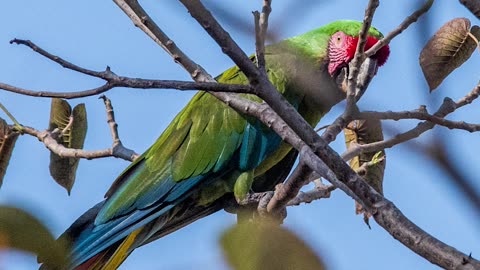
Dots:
pixel 205 141
pixel 198 144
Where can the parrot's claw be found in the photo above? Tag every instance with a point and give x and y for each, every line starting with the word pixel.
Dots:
pixel 263 203
pixel 263 213
pixel 245 209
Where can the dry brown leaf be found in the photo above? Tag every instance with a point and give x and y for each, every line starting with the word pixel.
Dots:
pixel 448 49
pixel 364 132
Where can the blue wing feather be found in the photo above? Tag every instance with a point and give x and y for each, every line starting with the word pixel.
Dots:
pixel 106 234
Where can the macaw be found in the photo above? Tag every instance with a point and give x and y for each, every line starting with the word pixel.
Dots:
pixel 210 153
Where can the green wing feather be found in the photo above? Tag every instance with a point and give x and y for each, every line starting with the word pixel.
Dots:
pixel 200 140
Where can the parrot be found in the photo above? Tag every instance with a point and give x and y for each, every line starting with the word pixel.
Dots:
pixel 211 156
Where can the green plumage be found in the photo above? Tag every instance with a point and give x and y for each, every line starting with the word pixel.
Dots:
pixel 210 152
pixel 314 43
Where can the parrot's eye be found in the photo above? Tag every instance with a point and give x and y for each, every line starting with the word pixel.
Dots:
pixel 338 39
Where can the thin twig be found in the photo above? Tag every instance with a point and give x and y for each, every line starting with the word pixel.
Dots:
pixel 104 75
pixel 144 22
pixel 135 83
pixel 49 141
pixel 359 57
pixel 48 138
pixel 114 81
pixel 261 25
pixel 117 148
pixel 404 25
pixel 448 106
pixel 420 115
pixel 320 191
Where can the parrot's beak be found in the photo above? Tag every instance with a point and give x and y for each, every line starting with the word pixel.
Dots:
pixel 367 71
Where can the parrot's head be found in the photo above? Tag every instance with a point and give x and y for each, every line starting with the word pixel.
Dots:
pixel 330 49
pixel 341 48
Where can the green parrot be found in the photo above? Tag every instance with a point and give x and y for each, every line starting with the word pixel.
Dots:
pixel 211 155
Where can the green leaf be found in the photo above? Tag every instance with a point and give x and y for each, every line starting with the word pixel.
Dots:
pixel 72 130
pixel 19 230
pixel 448 49
pixel 264 246
pixel 7 143
pixel 364 132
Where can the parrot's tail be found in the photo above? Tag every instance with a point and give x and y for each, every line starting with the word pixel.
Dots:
pixel 113 256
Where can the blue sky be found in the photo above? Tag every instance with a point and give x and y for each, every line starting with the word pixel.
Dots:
pixel 94 34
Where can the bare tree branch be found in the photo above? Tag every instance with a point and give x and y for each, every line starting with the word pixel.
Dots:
pixel 63 63
pixel 448 106
pixel 317 154
pixel 359 57
pixel 320 191
pixel 289 190
pixel 117 148
pixel 420 115
pixel 404 25
pixel 342 121
pixel 261 25
pixel 48 138
pixel 113 80
pixel 137 83
pixel 384 211
pixel 387 215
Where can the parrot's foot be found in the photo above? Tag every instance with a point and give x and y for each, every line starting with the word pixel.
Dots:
pixel 254 207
